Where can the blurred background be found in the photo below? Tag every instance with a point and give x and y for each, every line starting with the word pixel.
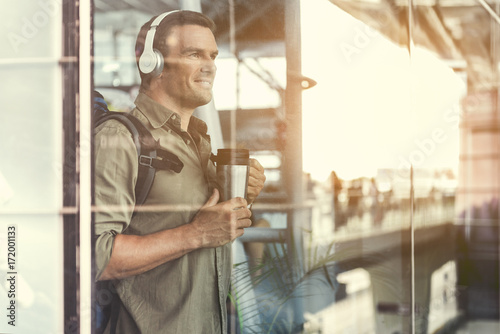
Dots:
pixel 377 122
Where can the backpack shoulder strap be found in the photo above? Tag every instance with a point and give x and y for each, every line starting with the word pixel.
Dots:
pixel 140 136
pixel 150 155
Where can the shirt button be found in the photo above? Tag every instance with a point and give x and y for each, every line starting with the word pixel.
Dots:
pixel 188 141
pixel 174 117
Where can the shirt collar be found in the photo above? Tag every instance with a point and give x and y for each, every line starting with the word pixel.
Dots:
pixel 158 115
pixel 198 125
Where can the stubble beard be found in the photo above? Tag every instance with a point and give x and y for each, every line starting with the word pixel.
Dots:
pixel 197 100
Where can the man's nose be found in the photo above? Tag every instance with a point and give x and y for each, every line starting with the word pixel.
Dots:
pixel 209 66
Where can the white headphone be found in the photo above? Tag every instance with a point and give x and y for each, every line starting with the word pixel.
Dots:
pixel 151 60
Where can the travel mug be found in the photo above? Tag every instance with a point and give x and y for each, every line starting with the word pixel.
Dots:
pixel 233 166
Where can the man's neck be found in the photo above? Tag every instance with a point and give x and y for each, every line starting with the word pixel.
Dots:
pixel 184 113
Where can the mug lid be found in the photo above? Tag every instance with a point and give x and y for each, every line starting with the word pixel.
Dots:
pixel 232 156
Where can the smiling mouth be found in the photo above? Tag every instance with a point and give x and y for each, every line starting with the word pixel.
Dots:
pixel 204 82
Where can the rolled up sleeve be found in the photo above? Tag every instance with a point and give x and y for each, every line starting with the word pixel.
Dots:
pixel 104 248
pixel 115 175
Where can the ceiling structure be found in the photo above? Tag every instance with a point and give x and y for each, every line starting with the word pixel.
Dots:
pixel 455 30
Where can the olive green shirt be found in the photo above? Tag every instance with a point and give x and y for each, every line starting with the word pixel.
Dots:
pixel 186 295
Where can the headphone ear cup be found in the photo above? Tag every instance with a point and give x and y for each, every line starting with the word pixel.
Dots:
pixel 159 63
pixel 147 61
pixel 151 62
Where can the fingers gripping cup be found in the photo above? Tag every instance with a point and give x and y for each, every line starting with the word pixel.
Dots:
pixel 232 172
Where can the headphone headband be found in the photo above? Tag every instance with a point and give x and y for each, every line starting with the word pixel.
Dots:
pixel 151 60
pixel 160 18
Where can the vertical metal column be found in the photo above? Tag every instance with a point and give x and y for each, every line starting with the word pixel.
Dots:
pixel 85 165
pixel 292 170
pixel 71 240
pixel 411 46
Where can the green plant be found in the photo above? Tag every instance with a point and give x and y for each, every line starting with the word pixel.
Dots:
pixel 267 296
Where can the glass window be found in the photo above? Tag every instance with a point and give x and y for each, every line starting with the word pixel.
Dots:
pixel 31 168
pixel 376 123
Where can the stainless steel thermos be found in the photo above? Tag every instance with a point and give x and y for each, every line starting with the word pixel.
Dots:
pixel 232 172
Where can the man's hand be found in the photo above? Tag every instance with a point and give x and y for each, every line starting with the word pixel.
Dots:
pixel 255 181
pixel 219 224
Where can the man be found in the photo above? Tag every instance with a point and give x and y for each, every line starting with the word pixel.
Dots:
pixel 171 266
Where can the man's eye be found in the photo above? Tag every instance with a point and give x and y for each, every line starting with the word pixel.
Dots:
pixel 194 55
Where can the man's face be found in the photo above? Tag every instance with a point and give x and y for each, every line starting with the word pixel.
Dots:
pixel 189 71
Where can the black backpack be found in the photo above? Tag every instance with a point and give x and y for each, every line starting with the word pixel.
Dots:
pixel 150 157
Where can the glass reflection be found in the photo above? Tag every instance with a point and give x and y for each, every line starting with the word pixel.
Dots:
pixel 399 217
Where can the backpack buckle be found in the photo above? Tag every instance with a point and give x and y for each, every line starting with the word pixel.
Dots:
pixel 145 160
